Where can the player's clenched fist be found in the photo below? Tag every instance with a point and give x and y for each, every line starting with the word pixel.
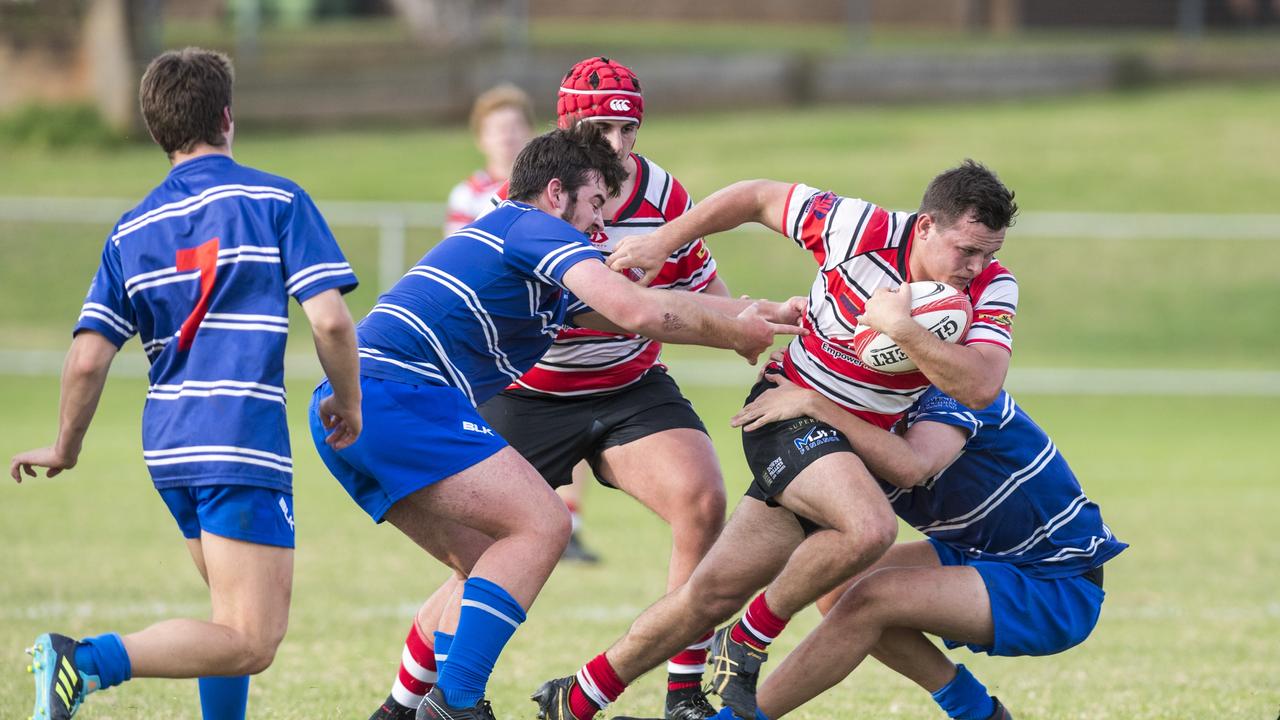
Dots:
pixel 887 309
pixel 645 253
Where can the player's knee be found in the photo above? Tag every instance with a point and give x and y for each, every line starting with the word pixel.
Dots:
pixel 873 537
pixel 701 513
pixel 553 527
pixel 260 646
pixel 863 602
pixel 256 653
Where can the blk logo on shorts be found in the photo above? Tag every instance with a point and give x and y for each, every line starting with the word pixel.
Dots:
pixel 472 427
pixel 288 517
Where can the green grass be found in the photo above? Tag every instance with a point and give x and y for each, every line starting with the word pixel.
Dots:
pixel 1187 632
pixel 1191 619
pixel 1206 149
pixel 1084 302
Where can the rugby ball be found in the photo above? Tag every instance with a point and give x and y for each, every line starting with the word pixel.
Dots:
pixel 938 307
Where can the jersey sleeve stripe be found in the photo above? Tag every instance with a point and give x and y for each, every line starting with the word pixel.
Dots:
pixel 311 273
pixel 979 326
pixel 989 341
pixel 786 213
pixel 550 267
pixel 110 322
pixel 112 313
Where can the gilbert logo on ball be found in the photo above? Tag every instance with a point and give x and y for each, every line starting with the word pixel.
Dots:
pixel 937 307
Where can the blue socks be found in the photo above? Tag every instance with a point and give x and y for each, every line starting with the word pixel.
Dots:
pixel 103 657
pixel 224 698
pixel 443 642
pixel 964 698
pixel 488 619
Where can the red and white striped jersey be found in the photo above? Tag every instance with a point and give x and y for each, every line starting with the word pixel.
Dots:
pixel 860 247
pixel 469 200
pixel 583 361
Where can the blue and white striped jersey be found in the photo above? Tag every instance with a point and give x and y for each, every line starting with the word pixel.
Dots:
pixel 480 308
pixel 202 271
pixel 1009 497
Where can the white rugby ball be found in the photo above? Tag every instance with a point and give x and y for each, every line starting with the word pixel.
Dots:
pixel 938 307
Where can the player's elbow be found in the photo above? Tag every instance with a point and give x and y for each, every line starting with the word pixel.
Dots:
pixel 90 356
pixel 333 326
pixel 977 396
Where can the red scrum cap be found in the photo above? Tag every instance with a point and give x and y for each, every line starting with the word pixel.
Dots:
pixel 599 88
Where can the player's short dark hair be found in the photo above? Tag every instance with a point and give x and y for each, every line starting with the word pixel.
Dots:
pixel 971 186
pixel 568 155
pixel 182 94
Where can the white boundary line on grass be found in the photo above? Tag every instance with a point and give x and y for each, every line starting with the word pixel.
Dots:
pixel 739 376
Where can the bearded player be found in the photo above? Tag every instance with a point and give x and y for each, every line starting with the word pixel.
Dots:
pixel 606 398
pixel 814 517
pixel 474 314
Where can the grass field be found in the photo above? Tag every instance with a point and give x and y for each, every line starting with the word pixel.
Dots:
pixel 1188 630
pixel 1193 610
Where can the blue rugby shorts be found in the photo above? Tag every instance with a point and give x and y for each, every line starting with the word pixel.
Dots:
pixel 1032 616
pixel 240 512
pixel 413 436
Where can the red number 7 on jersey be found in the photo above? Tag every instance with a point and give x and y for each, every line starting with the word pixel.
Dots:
pixel 203 257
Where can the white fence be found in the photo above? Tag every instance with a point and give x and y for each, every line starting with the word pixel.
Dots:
pixel 393 219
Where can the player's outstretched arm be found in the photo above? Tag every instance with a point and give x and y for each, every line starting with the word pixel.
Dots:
pixel 905 462
pixel 972 374
pixel 84 374
pixel 335 338
pixel 787 312
pixel 674 317
pixel 760 201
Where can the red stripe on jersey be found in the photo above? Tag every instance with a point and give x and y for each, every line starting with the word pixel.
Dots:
pixel 814 224
pixel 561 382
pixel 979 284
pixel 677 202
pixel 984 341
pixel 876 233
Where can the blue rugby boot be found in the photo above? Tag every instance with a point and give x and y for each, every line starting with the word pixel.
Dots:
pixel 60 686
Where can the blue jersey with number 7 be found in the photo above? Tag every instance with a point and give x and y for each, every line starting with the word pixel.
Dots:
pixel 202 271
